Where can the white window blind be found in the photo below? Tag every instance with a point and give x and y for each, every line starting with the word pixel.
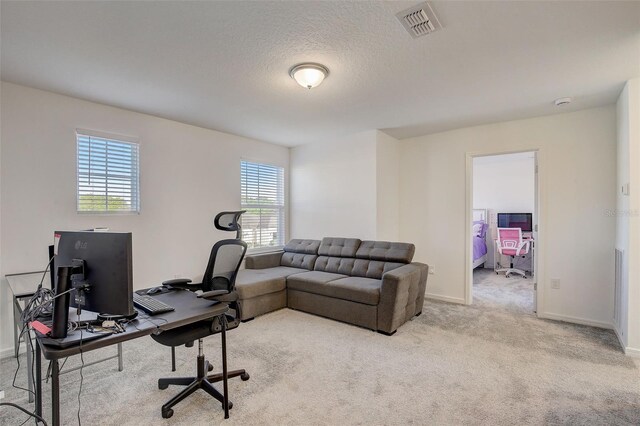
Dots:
pixel 262 196
pixel 108 174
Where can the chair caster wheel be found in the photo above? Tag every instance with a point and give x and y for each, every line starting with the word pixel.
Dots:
pixel 210 368
pixel 230 405
pixel 245 377
pixel 162 386
pixel 166 414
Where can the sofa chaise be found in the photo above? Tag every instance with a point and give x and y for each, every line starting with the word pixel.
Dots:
pixel 371 284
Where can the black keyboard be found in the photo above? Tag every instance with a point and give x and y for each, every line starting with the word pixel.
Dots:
pixel 151 305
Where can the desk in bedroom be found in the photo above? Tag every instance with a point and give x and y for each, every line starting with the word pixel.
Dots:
pixel 188 309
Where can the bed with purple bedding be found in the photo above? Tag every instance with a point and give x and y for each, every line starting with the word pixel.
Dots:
pixel 478 234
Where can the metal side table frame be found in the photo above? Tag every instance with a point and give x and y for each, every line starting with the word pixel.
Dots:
pixel 23 286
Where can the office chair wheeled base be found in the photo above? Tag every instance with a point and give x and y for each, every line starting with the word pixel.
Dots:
pixel 201 381
pixel 515 271
pixel 509 271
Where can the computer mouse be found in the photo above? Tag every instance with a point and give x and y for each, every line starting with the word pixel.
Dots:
pixel 154 290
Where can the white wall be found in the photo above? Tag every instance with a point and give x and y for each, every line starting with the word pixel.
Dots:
pixel 333 188
pixel 627 214
pixel 346 188
pixel 387 187
pixel 577 178
pixel 505 185
pixel 188 174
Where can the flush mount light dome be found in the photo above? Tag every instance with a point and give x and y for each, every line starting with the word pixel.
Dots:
pixel 309 75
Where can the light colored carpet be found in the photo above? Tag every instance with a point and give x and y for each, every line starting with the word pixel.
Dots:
pixel 496 291
pixel 452 365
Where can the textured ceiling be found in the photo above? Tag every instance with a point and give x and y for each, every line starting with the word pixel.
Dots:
pixel 223 65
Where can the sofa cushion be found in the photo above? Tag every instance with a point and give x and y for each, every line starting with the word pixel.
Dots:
pixel 302 246
pixel 386 251
pixel 298 260
pixel 355 289
pixel 256 282
pixel 311 281
pixel 342 247
pixel 354 267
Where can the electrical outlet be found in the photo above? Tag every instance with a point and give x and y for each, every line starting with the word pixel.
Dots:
pixel 432 270
pixel 1 394
pixel 555 283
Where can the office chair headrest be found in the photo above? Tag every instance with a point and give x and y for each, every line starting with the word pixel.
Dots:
pixel 229 221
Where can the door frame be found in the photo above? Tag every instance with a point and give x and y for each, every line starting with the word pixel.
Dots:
pixel 539 229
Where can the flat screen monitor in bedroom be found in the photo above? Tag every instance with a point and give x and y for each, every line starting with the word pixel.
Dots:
pixel 523 221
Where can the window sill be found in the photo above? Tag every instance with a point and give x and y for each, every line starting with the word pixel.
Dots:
pixel 108 213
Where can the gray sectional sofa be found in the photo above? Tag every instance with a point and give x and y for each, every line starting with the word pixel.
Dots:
pixel 372 284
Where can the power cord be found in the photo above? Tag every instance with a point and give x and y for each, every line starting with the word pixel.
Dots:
pixel 34 308
pixel 81 378
pixel 34 415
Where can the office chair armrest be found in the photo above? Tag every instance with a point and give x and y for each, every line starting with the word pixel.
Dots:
pixel 220 296
pixel 177 281
pixel 183 283
pixel 521 247
pixel 211 294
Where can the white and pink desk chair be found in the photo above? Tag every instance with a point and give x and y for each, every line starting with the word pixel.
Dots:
pixel 510 243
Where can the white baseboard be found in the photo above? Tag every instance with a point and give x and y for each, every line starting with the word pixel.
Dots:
pixel 632 352
pixel 9 352
pixel 445 298
pixel 575 320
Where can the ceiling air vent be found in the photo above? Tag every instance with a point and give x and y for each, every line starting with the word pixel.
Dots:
pixel 419 20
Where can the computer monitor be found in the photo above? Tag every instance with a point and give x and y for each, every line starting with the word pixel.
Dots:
pixel 107 270
pixel 524 221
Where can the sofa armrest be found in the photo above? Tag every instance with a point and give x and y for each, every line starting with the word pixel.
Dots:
pixel 263 261
pixel 398 295
pixel 422 286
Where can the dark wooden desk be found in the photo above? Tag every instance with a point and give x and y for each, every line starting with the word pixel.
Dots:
pixel 188 309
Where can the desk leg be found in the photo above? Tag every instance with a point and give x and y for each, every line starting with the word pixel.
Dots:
pixel 38 381
pixel 55 392
pixel 16 326
pixel 120 366
pixel 225 388
pixel 29 345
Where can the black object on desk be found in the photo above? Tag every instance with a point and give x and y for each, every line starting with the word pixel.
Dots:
pixel 151 305
pixel 188 309
pixel 72 338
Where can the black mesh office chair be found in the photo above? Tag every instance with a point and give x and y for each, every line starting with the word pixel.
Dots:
pixel 218 283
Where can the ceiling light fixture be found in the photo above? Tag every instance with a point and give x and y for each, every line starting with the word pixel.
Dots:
pixel 309 75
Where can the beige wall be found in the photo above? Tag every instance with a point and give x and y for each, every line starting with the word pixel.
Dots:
pixel 346 188
pixel 627 214
pixel 333 190
pixel 188 174
pixel 387 187
pixel 577 177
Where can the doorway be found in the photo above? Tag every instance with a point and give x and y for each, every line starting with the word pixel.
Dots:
pixel 504 212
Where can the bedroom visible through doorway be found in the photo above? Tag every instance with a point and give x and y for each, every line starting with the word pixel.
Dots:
pixel 503 231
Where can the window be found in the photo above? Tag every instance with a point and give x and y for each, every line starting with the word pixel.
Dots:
pixel 262 196
pixel 108 175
